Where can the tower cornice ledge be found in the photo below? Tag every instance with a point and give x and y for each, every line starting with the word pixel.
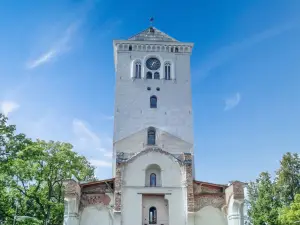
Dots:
pixel 171 43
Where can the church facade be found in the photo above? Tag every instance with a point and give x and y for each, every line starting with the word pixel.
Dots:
pixel 153 147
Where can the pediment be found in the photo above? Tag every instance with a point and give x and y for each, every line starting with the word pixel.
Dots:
pixel 152 34
pixel 164 140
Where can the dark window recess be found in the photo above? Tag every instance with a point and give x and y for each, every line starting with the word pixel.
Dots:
pixel 149 88
pixel 130 48
pixel 138 71
pixel 153 102
pixel 158 89
pixel 168 71
pixel 149 75
pixel 152 215
pixel 151 136
pixel 176 49
pixel 152 180
pixel 151 30
pixel 156 75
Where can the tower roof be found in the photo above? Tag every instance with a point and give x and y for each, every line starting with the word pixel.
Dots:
pixel 152 34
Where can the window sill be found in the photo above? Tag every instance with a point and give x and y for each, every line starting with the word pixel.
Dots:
pixel 159 186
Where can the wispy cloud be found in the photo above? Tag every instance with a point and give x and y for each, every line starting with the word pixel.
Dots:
pixel 92 145
pixel 232 101
pixel 88 141
pixel 7 107
pixel 100 163
pixel 108 154
pixel 225 53
pixel 59 47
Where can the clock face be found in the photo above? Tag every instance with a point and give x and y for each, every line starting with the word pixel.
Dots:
pixel 153 64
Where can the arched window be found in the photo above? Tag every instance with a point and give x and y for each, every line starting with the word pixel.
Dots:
pixel 151 136
pixel 152 180
pixel 153 176
pixel 176 49
pixel 138 70
pixel 130 48
pixel 153 101
pixel 156 75
pixel 168 71
pixel 152 215
pixel 149 75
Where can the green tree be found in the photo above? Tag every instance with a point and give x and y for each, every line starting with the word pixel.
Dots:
pixel 32 174
pixel 264 204
pixel 288 178
pixel 10 144
pixel 290 215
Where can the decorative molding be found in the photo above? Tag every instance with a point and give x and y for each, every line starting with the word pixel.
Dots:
pixel 121 157
pixel 187 162
pixel 123 46
pixel 154 149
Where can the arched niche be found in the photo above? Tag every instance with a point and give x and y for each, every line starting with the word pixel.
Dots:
pixel 153 176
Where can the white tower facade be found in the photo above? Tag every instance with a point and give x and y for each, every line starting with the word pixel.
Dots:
pixel 152 68
pixel 153 175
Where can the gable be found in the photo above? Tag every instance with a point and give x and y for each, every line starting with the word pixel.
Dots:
pixel 152 34
pixel 164 140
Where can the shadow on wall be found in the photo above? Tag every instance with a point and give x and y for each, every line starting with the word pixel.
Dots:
pixel 210 216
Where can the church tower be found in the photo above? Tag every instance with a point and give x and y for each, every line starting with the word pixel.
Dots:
pixel 153 129
pixel 153 174
pixel 153 101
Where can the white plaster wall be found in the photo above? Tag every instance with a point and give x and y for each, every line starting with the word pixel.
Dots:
pixel 134 187
pixel 191 219
pixel 132 111
pixel 135 172
pixel 210 216
pixel 154 168
pixel 138 141
pixel 235 212
pixel 161 205
pixel 95 215
pixel 132 211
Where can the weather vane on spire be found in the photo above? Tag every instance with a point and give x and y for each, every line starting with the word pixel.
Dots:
pixel 151 21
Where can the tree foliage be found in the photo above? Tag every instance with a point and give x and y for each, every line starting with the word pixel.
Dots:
pixel 274 201
pixel 263 202
pixel 288 178
pixel 290 215
pixel 32 174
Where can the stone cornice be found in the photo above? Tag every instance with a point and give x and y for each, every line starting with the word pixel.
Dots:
pixel 141 46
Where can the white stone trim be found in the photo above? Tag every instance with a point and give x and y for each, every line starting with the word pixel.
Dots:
pixel 123 46
pixel 133 72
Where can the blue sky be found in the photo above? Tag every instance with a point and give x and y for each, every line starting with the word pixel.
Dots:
pixel 57 75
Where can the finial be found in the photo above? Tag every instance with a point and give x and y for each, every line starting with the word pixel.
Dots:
pixel 151 21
